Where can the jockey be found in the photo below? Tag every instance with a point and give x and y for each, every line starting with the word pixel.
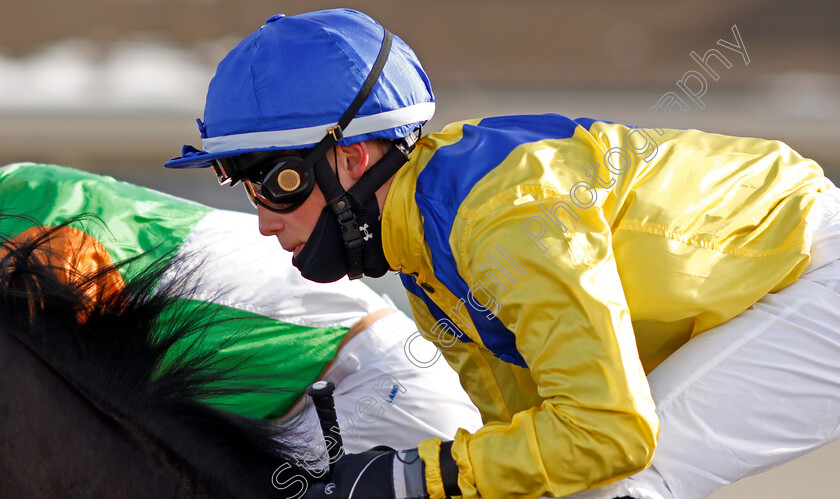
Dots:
pixel 596 286
pixel 283 330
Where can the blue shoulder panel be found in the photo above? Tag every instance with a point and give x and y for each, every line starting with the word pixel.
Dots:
pixel 410 285
pixel 447 180
pixel 587 122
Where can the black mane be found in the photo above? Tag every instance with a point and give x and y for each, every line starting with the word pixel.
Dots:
pixel 109 344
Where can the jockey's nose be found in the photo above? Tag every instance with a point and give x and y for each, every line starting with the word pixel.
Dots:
pixel 270 223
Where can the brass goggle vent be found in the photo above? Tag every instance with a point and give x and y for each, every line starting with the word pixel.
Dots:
pixel 288 180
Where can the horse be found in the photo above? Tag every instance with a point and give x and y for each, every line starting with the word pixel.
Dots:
pixel 89 408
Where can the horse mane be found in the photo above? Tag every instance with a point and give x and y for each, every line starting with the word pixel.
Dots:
pixel 109 344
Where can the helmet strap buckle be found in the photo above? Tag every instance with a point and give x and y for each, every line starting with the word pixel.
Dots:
pixel 353 240
pixel 336 132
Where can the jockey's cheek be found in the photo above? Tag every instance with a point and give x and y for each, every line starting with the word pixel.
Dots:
pixel 294 228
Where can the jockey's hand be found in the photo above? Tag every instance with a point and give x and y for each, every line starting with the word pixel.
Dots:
pixel 379 473
pixel 369 475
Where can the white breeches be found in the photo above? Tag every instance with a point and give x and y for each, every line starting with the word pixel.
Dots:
pixel 755 392
pixel 383 398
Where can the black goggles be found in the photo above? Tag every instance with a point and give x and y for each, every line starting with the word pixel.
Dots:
pixel 277 181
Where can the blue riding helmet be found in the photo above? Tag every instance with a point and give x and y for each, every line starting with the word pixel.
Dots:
pixel 288 83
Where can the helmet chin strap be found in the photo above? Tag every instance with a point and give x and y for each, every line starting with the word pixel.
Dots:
pixel 343 202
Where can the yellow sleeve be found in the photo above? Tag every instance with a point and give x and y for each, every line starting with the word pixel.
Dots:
pixel 569 315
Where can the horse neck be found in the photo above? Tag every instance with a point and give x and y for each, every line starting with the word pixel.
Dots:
pixel 54 443
pixel 118 425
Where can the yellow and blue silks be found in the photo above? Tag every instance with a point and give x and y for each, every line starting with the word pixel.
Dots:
pixel 556 261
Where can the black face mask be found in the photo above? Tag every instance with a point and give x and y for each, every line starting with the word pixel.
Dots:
pixel 324 256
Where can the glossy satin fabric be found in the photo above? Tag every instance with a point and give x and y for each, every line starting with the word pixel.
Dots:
pixel 754 392
pixel 555 261
pixel 269 321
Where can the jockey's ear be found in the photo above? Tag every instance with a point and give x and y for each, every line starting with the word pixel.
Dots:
pixel 353 162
